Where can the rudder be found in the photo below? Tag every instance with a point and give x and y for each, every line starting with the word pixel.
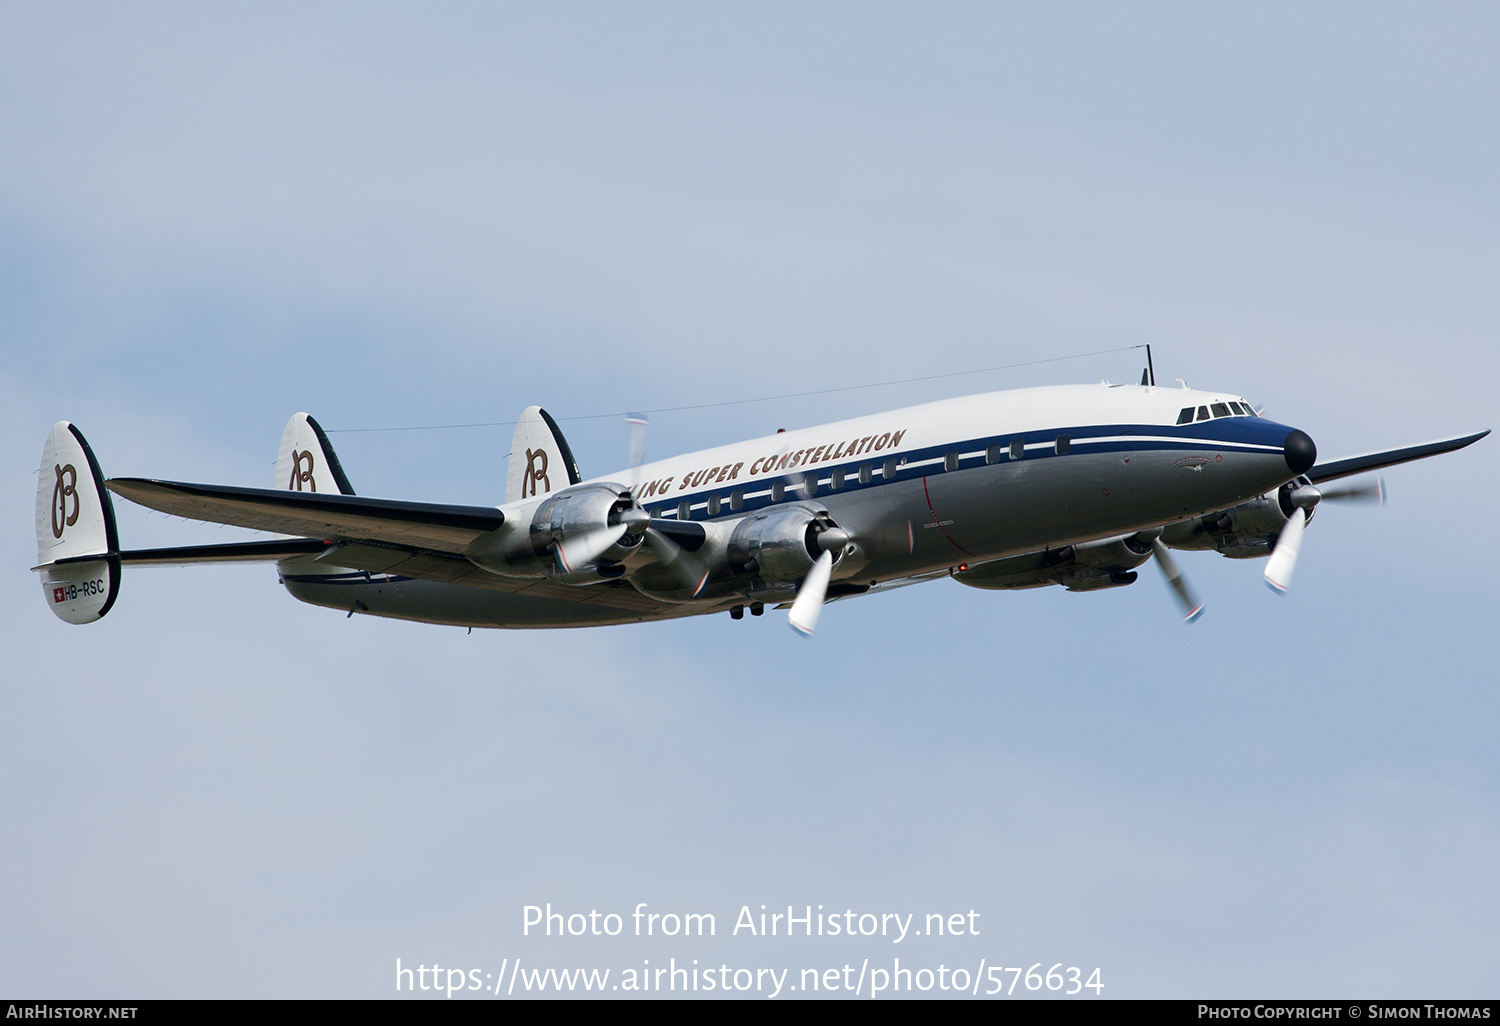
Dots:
pixel 78 548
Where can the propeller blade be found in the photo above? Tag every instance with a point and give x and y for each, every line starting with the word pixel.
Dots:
pixel 579 552
pixel 637 426
pixel 688 570
pixel 805 611
pixel 1371 493
pixel 1181 590
pixel 1284 559
pixel 637 440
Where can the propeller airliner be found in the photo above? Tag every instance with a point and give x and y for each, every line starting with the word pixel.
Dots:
pixel 1075 486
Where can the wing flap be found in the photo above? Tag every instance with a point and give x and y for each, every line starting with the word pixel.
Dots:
pixel 450 568
pixel 426 525
pixel 426 565
pixel 1388 458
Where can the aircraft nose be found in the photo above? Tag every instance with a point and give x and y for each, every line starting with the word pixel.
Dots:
pixel 1300 451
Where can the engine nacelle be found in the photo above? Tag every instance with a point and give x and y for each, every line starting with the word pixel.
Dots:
pixel 571 514
pixel 1087 566
pixel 781 546
pixel 1246 531
pixel 581 510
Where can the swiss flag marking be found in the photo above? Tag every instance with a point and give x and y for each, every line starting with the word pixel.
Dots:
pixel 58 595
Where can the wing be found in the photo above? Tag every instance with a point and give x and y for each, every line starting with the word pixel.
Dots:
pixel 425 525
pixel 1389 458
pixel 408 539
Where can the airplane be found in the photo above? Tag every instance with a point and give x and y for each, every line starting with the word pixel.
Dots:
pixel 1069 485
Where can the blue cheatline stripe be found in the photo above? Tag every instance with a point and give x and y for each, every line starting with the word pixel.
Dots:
pixel 1250 435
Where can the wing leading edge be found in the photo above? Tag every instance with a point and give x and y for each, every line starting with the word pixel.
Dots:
pixel 426 525
pixel 1389 458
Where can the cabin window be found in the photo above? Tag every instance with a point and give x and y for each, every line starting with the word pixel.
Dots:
pixel 865 474
pixel 809 485
pixel 950 461
pixel 736 499
pixel 994 454
pixel 1017 448
pixel 778 492
pixel 713 505
pixel 888 469
pixel 1186 416
pixel 685 510
pixel 836 479
pixel 1203 413
pixel 1062 445
pixel 1221 409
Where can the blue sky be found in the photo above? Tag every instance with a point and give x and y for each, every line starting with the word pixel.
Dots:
pixel 387 216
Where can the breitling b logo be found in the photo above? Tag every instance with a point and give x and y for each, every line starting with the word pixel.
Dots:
pixel 65 489
pixel 536 470
pixel 299 475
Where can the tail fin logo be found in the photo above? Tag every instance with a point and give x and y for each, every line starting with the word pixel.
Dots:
pixel 536 470
pixel 65 489
pixel 302 476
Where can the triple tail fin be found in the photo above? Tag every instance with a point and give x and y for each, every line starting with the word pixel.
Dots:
pixel 77 546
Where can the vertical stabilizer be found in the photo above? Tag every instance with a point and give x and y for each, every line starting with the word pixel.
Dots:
pixel 77 547
pixel 540 460
pixel 306 462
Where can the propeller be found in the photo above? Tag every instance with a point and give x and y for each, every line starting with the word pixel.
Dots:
pixel 808 605
pixel 688 570
pixel 637 425
pixel 576 553
pixel 1192 609
pixel 1283 562
pixel 1284 557
pixel 1371 493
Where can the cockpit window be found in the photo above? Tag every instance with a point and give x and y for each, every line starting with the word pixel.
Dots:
pixel 1221 409
pixel 1236 409
pixel 1186 416
pixel 1203 413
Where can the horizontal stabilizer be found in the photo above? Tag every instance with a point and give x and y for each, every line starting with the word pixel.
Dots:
pixel 231 552
pixel 424 524
pixel 1389 458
